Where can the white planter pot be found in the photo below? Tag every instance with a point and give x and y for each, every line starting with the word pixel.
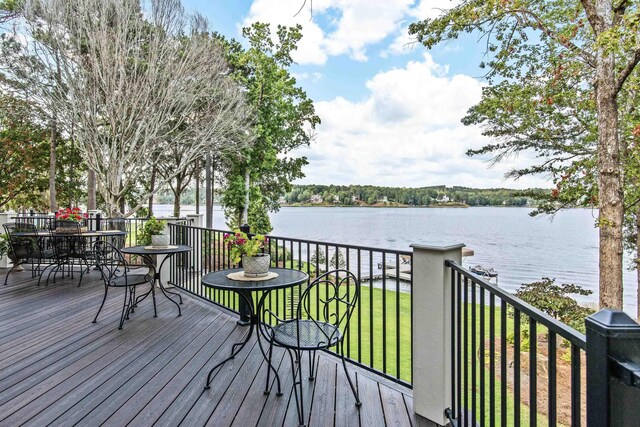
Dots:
pixel 160 240
pixel 256 266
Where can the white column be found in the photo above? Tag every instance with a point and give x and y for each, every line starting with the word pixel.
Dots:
pixel 432 330
pixel 5 217
pixel 197 220
pixel 164 273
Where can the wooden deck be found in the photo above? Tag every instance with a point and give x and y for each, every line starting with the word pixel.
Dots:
pixel 57 368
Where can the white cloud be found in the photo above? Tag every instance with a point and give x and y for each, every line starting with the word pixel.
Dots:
pixel 354 25
pixel 432 8
pixel 312 77
pixel 403 43
pixel 406 132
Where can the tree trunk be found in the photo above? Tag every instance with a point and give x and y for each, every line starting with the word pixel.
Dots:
pixel 208 189
pixel 91 190
pixel 53 205
pixel 177 192
pixel 609 172
pixel 198 187
pixel 121 205
pixel 247 186
pixel 638 262
pixel 152 186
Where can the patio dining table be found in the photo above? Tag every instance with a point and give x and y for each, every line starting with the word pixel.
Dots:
pixel 150 256
pixel 84 234
pixel 224 280
pixel 76 244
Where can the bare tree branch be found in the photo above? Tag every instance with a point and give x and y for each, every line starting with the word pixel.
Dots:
pixel 133 85
pixel 626 72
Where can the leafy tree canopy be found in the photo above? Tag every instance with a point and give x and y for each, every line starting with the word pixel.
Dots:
pixel 562 85
pixel 24 155
pixel 284 119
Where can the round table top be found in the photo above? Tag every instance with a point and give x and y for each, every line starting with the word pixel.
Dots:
pixel 144 250
pixel 286 278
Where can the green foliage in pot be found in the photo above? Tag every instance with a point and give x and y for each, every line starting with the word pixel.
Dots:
pixel 151 227
pixel 240 244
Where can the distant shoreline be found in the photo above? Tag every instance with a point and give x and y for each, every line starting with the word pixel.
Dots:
pixel 319 205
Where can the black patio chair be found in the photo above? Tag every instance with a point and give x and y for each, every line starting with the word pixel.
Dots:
pixel 322 316
pixel 117 273
pixel 69 246
pixel 120 224
pixel 26 249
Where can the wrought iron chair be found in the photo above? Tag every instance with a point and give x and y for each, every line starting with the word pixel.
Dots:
pixel 117 224
pixel 68 246
pixel 117 273
pixel 322 316
pixel 26 249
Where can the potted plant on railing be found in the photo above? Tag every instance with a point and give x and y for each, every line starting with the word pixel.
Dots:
pixel 152 233
pixel 71 216
pixel 249 251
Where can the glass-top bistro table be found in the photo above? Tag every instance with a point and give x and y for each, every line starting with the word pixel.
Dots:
pixel 149 255
pixel 244 288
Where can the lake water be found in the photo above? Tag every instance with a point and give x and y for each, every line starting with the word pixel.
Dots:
pixel 521 248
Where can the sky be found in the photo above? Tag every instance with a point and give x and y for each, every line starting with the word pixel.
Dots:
pixel 390 108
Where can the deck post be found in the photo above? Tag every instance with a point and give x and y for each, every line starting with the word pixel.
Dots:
pixel 432 329
pixel 613 369
pixel 196 237
pixel 197 220
pixel 165 272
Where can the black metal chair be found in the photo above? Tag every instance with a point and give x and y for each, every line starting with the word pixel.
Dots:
pixel 322 316
pixel 69 245
pixel 120 224
pixel 26 249
pixel 117 273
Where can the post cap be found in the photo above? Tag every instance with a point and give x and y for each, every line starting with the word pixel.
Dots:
pixel 613 323
pixel 437 248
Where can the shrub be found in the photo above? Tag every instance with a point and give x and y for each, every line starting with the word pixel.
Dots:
pixel 555 300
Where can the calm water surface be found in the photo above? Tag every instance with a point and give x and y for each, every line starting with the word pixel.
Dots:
pixel 521 248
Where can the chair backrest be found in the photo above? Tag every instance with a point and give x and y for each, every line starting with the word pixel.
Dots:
pixel 69 226
pixel 110 261
pixel 330 299
pixel 22 247
pixel 117 224
pixel 66 239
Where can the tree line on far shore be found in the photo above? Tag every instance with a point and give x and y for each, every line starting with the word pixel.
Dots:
pixel 440 195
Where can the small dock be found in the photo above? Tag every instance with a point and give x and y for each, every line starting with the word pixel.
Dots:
pixel 391 271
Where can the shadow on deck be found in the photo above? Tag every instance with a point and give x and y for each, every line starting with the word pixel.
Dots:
pixel 58 368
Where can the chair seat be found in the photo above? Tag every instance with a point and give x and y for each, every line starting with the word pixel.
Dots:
pixel 45 254
pixel 313 334
pixel 131 280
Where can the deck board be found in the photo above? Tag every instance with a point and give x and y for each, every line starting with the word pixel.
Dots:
pixel 58 368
